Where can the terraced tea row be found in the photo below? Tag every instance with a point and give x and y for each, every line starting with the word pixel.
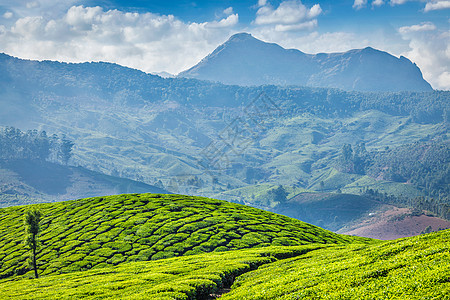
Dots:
pixel 104 231
pixel 186 277
pixel 411 268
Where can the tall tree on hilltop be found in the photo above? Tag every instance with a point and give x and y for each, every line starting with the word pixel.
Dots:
pixel 31 220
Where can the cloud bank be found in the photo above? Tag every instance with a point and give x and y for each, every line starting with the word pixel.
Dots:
pixel 437 5
pixel 147 41
pixel 65 31
pixel 290 15
pixel 430 50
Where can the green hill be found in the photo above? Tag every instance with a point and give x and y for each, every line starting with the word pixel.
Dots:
pixel 107 231
pixel 410 268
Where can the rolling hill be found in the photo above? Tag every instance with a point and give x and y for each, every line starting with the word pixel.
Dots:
pixel 245 60
pixel 107 231
pixel 199 248
pixel 24 181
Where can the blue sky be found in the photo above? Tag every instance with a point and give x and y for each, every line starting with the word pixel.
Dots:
pixel 171 36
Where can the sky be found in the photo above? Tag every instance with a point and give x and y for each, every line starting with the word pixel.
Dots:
pixel 172 36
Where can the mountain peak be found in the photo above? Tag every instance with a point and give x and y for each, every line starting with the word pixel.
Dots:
pixel 246 60
pixel 242 36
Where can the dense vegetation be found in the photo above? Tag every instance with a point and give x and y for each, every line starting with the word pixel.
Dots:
pixel 424 165
pixel 107 231
pixel 105 80
pixel 439 207
pixel 411 268
pixel 34 145
pixel 130 124
pixel 185 277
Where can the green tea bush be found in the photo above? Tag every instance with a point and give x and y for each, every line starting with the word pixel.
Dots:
pixel 102 231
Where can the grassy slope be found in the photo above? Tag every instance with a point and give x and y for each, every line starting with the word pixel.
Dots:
pixel 106 231
pixel 411 268
pixel 186 277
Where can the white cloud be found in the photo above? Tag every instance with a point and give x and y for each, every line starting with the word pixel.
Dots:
pixel 145 41
pixel 229 21
pixel 377 3
pixel 228 11
pixel 33 4
pixel 293 27
pixel 437 5
pixel 8 15
pixel 426 26
pixel 358 4
pixel 262 2
pixel 430 49
pixel 312 42
pixel 315 11
pixel 398 2
pixel 287 13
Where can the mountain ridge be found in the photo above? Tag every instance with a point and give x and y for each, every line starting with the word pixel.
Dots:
pixel 245 60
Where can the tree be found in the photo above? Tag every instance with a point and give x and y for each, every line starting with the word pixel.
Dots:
pixel 279 194
pixel 31 220
pixel 66 149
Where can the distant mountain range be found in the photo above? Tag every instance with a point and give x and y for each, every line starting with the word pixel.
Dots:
pixel 143 127
pixel 245 60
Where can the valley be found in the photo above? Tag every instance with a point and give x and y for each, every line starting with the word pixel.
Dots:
pixel 199 138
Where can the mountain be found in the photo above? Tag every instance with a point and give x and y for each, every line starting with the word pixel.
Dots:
pixel 245 60
pixel 155 130
pixel 30 181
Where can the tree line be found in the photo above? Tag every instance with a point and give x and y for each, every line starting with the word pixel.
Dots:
pixel 35 145
pixel 425 165
pixel 440 207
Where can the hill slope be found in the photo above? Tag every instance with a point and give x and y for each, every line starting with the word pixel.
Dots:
pixel 245 60
pixel 412 268
pixel 33 181
pixel 106 231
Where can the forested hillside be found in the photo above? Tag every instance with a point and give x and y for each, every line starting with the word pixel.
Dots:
pixel 34 168
pixel 201 138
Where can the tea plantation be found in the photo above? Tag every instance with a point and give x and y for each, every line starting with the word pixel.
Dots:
pixel 411 268
pixel 107 231
pixel 185 277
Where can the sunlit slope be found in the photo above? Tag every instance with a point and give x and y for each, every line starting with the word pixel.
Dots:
pixel 106 231
pixel 410 268
pixel 185 277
